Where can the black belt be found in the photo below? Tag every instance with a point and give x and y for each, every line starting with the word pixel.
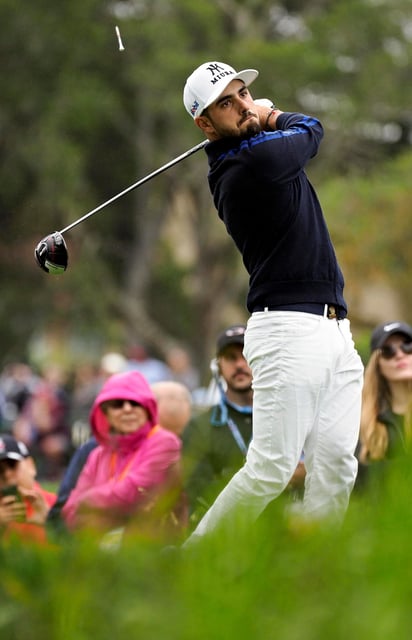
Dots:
pixel 333 310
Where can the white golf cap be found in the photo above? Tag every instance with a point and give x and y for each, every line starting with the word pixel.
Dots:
pixel 208 81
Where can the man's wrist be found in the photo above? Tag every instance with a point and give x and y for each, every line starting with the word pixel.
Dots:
pixel 271 113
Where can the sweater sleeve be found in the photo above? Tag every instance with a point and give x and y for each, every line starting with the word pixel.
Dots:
pixel 281 155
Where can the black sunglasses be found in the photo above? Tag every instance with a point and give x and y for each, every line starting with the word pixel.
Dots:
pixel 389 351
pixel 119 404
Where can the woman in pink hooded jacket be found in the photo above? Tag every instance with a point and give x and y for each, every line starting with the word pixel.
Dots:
pixel 133 463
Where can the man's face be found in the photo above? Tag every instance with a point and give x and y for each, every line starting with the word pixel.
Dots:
pixel 234 369
pixel 232 114
pixel 17 472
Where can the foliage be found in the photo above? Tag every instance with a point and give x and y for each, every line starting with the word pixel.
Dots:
pixel 369 221
pixel 80 121
pixel 280 578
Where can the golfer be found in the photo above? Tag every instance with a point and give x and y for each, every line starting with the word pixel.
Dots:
pixel 307 375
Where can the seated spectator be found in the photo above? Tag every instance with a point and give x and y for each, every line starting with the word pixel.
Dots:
pixel 131 479
pixel 174 405
pixel 24 504
pixel 182 370
pixel 153 369
pixel 174 410
pixel 17 383
pixel 43 425
pixel 386 417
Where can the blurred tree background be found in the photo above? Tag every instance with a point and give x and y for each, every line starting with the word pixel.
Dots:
pixel 80 121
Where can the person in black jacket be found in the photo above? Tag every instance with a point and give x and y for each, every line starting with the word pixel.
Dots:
pixel 307 374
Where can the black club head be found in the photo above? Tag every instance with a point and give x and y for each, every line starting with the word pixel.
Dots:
pixel 51 254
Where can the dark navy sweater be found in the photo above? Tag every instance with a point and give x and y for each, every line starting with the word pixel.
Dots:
pixel 271 210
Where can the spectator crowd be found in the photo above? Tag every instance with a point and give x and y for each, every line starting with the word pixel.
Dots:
pixel 126 447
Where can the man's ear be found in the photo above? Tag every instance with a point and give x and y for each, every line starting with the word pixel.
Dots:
pixel 206 126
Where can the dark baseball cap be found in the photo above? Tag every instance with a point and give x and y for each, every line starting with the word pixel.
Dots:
pixel 12 449
pixel 382 332
pixel 232 335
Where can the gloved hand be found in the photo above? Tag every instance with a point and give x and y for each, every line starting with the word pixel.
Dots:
pixel 266 112
pixel 265 102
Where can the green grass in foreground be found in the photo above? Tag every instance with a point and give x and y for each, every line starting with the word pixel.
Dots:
pixel 274 580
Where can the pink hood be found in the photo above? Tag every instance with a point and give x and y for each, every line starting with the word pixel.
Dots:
pixel 130 385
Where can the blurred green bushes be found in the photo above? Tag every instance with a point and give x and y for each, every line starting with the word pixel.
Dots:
pixel 277 579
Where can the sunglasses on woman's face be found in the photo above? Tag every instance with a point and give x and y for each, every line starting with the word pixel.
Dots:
pixel 389 351
pixel 119 404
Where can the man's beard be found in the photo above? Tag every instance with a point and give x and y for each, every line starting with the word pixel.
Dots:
pixel 244 387
pixel 252 129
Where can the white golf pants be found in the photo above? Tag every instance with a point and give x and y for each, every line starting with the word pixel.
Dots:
pixel 307 381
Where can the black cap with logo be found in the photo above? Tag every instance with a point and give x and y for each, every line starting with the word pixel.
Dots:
pixel 12 449
pixel 232 335
pixel 382 332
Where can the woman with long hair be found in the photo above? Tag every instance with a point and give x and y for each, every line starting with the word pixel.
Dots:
pixel 385 430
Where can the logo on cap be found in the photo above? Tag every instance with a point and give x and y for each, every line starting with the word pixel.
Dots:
pixel 235 331
pixel 216 68
pixel 194 107
pixel 390 327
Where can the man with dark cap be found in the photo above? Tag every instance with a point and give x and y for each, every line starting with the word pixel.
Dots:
pixel 382 332
pixel 215 442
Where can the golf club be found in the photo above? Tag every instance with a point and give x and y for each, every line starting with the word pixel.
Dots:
pixel 51 252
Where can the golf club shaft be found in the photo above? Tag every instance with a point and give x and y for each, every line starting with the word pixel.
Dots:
pixel 184 155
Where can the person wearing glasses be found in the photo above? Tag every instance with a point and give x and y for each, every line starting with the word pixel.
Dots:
pixel 386 417
pixel 133 475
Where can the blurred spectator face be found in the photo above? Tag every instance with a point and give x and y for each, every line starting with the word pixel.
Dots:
pixel 137 352
pixel 394 364
pixel 8 472
pixel 234 368
pixel 17 472
pixel 125 416
pixel 174 405
pixel 178 360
